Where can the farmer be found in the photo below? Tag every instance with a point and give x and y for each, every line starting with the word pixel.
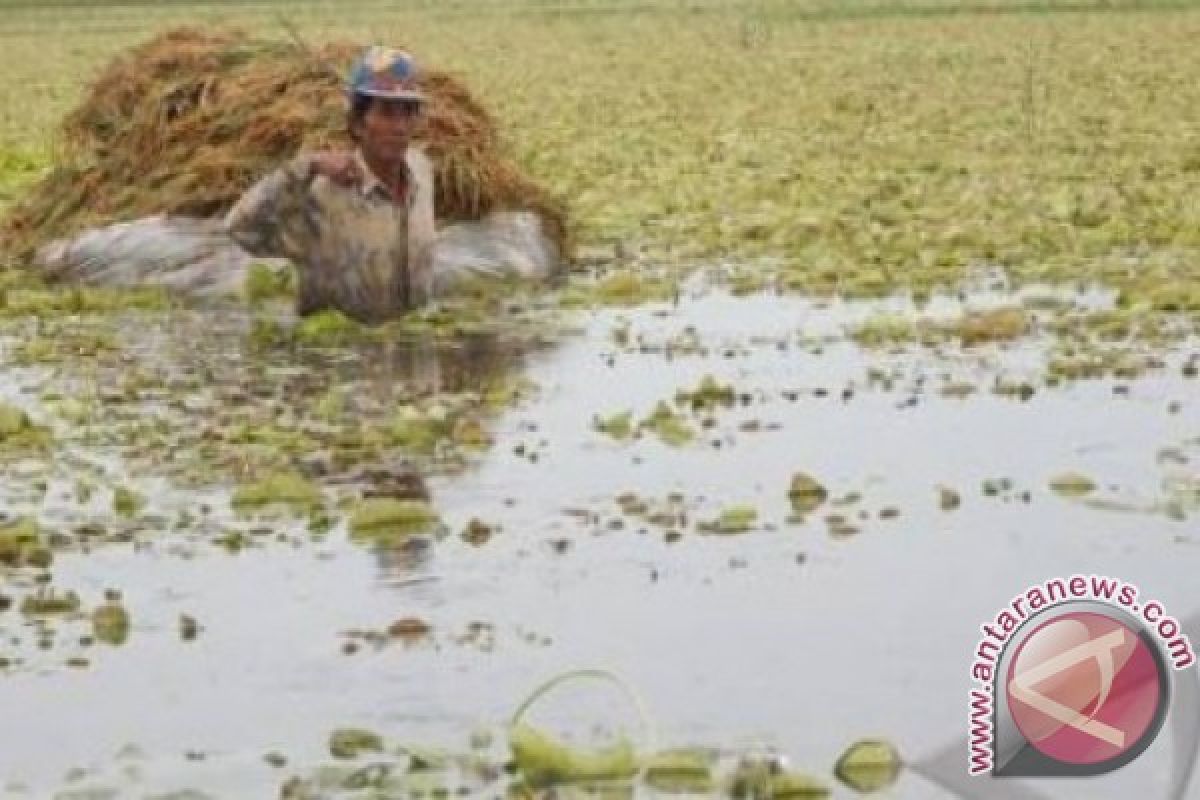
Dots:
pixel 357 225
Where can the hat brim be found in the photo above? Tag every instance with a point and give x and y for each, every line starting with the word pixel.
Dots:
pixel 392 94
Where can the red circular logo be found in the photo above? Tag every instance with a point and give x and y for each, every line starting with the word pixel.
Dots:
pixel 1085 688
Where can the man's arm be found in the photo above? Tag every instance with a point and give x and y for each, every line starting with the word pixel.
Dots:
pixel 273 218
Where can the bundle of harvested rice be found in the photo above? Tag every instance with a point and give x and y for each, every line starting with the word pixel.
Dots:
pixel 184 123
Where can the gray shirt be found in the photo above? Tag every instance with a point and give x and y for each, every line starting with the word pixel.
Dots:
pixel 354 248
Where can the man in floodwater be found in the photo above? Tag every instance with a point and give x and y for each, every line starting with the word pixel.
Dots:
pixel 358 225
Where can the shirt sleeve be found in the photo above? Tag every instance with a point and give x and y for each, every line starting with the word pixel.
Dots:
pixel 275 217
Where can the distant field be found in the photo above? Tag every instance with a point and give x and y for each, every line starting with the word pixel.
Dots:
pixel 849 145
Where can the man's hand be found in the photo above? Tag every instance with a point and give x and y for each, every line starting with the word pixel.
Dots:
pixel 341 168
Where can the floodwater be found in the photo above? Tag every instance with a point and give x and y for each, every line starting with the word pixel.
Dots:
pixel 798 636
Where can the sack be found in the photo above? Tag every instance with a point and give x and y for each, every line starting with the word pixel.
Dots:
pixel 196 257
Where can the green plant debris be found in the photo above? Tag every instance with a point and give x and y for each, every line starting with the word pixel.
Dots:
pixel 886 329
pixel 386 518
pixel 477 532
pixel 349 743
pixel 624 287
pixel 289 489
pixel 264 282
pixel 110 620
pixel 668 426
pixel 707 396
pixel 469 433
pixel 126 502
pixel 948 498
pixel 328 328
pixel 735 519
pixel 869 765
pixel 795 786
pixel 619 426
pixel 21 544
pixel 409 628
pixel 46 601
pixel 543 761
pixel 806 493
pixel 995 325
pixel 18 433
pixel 1072 484
pixel 680 771
pixel 53 302
pixel 417 430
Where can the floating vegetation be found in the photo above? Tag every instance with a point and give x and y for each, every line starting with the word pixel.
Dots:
pixel 384 519
pixel 544 761
pixel 126 502
pixel 996 325
pixel 18 433
pixel 708 395
pixel 264 282
pixel 110 620
pixel 683 771
pixel 21 544
pixel 330 327
pixel 350 743
pixel 477 532
pixel 409 628
pixel 671 428
pixel 289 489
pixel 619 288
pixel 806 493
pixel 948 498
pixel 619 425
pixel 869 765
pixel 45 601
pixel 1072 484
pixel 735 519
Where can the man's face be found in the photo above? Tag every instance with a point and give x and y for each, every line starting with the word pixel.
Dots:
pixel 387 126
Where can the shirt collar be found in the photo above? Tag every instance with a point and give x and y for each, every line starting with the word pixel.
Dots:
pixel 371 185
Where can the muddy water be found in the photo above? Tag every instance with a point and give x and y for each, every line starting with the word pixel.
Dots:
pixel 790 636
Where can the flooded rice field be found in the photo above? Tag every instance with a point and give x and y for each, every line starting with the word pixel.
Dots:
pixel 777 522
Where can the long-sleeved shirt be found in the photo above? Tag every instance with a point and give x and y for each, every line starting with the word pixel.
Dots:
pixel 354 247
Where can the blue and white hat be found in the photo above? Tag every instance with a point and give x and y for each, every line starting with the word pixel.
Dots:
pixel 385 72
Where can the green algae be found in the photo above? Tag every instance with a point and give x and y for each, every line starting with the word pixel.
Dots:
pixel 417 430
pixel 734 519
pixel 110 620
pixel 670 428
pixel 329 328
pixel 21 544
pixel 806 493
pixel 263 282
pixel 385 518
pixel 126 502
pixel 289 489
pixel 885 329
pixel 682 771
pixel 53 302
pixel 543 761
pixel 18 433
pixel 619 426
pixel 1072 484
pixel 350 743
pixel 795 786
pixel 868 765
pixel 47 601
pixel 707 396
